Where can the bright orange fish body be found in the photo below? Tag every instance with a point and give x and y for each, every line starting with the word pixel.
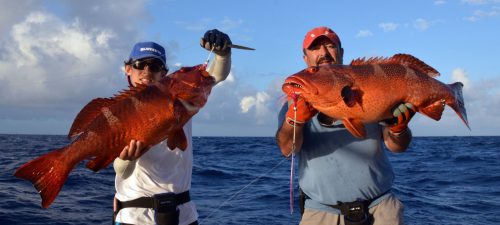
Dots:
pixel 147 113
pixel 366 90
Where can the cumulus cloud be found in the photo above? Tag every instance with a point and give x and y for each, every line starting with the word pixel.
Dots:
pixel 459 75
pixel 225 24
pixel 364 33
pixel 388 26
pixel 479 14
pixel 50 62
pixel 49 58
pixel 421 24
pixel 259 102
pixel 477 2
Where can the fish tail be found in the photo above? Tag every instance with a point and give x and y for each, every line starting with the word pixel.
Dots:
pixel 458 104
pixel 47 173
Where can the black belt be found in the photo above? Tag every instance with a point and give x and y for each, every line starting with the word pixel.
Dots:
pixel 165 206
pixel 365 202
pixel 156 201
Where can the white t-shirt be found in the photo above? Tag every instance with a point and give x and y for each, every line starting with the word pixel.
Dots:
pixel 159 170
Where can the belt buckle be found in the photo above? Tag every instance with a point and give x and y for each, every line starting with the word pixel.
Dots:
pixel 355 213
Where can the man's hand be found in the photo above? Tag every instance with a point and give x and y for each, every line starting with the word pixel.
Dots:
pixel 402 116
pixel 304 111
pixel 217 40
pixel 133 151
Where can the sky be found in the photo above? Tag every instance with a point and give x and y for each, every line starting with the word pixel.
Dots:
pixel 56 56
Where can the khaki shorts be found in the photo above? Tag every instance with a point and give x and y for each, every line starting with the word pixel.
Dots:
pixel 388 212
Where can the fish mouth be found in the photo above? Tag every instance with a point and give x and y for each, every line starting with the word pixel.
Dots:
pixel 190 107
pixel 297 85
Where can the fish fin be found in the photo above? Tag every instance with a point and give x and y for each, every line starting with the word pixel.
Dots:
pixel 88 113
pixel 177 140
pixel 99 163
pixel 415 63
pixel 355 127
pixel 94 107
pixel 352 96
pixel 458 105
pixel 400 59
pixel 434 110
pixel 47 173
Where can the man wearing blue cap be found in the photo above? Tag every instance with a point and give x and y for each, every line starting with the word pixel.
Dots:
pixel 152 182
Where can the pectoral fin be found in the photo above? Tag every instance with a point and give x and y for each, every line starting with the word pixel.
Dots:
pixel 352 96
pixel 356 128
pixel 177 140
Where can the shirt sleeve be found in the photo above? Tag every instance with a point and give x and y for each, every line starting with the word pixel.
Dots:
pixel 220 67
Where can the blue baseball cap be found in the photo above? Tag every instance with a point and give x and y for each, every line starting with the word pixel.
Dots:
pixel 148 49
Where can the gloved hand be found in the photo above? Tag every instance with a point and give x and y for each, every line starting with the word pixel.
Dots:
pixel 402 116
pixel 218 40
pixel 304 111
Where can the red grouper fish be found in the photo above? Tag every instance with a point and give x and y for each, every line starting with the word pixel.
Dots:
pixel 147 113
pixel 366 90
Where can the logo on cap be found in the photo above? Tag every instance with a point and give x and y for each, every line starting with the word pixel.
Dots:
pixel 313 34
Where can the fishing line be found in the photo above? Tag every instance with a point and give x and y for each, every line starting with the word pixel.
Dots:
pixel 294 98
pixel 208 58
pixel 246 186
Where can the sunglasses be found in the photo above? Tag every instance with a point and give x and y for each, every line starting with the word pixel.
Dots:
pixel 153 65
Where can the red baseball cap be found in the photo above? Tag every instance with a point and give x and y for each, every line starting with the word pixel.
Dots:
pixel 318 32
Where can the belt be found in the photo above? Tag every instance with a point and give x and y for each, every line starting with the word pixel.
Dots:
pixel 341 205
pixel 156 201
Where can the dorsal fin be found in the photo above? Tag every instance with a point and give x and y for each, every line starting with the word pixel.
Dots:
pixel 90 111
pixel 400 59
pixel 124 94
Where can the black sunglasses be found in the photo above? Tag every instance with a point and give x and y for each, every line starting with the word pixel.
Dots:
pixel 153 65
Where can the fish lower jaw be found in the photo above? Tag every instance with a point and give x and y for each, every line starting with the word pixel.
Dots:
pixel 189 106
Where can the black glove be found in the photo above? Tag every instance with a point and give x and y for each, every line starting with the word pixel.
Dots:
pixel 217 40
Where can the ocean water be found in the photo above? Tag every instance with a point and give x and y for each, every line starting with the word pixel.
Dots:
pixel 244 180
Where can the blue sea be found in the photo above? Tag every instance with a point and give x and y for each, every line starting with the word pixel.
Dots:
pixel 244 180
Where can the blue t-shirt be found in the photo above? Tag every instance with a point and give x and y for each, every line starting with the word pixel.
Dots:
pixel 336 166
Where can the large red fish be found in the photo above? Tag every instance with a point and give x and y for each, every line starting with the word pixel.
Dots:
pixel 147 113
pixel 366 90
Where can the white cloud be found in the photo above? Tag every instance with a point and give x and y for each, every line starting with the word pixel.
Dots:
pixel 479 14
pixel 229 24
pixel 49 58
pixel 364 33
pixel 476 2
pixel 439 2
pixel 51 65
pixel 421 24
pixel 247 103
pixel 388 26
pixel 459 75
pixel 203 24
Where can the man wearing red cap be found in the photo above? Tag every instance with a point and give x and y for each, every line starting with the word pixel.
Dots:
pixel 343 180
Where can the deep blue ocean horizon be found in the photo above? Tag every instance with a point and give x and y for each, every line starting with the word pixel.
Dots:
pixel 440 180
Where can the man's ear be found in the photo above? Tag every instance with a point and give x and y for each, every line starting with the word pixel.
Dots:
pixel 128 70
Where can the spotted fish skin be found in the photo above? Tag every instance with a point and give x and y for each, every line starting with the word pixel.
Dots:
pixel 147 113
pixel 366 90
